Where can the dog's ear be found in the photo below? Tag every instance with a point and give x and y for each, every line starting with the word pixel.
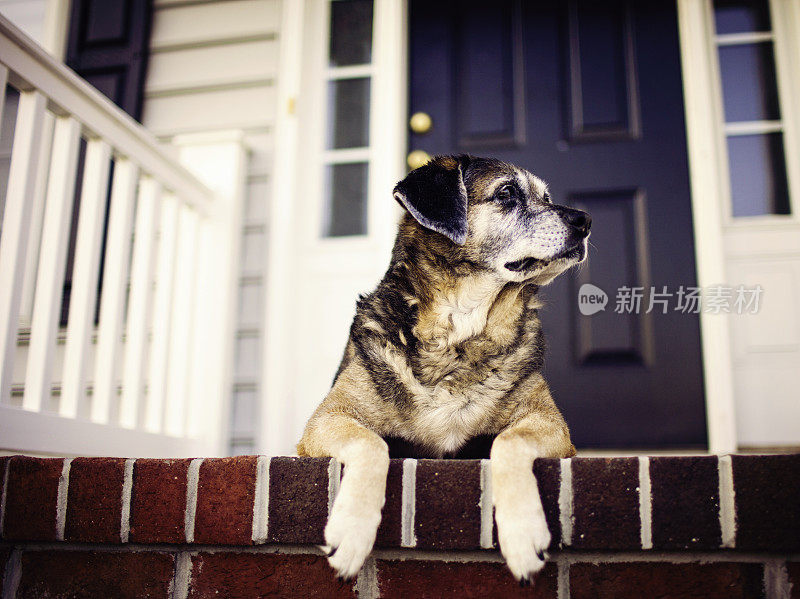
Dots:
pixel 436 197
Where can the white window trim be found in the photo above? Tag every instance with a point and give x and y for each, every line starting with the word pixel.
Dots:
pixel 388 142
pixel 705 170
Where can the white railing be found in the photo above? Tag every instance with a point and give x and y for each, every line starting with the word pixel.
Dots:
pixel 144 380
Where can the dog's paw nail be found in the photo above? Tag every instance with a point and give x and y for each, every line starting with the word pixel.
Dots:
pixel 332 551
pixel 541 555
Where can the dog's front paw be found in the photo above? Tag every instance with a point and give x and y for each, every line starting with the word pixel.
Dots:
pixel 350 534
pixel 523 538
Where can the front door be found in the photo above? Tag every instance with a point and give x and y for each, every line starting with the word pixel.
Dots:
pixel 588 96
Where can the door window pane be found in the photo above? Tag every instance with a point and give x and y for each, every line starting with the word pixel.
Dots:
pixel 348 113
pixel 346 205
pixel 758 174
pixel 351 32
pixel 739 16
pixel 749 87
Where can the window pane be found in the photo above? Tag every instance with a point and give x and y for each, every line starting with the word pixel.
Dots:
pixel 346 210
pixel 351 32
pixel 749 87
pixel 348 113
pixel 738 16
pixel 758 174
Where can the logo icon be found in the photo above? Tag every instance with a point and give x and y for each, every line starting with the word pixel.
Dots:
pixel 591 299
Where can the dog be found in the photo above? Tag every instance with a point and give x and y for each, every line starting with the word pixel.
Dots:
pixel 448 349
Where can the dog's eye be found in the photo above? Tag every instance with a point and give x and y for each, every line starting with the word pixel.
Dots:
pixel 506 193
pixel 546 198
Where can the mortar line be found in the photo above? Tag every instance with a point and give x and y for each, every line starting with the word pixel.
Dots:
pixel 12 574
pixel 563 579
pixel 61 499
pixel 776 579
pixel 334 481
pixel 3 494
pixel 182 575
pixel 565 502
pixel 192 484
pixel 127 492
pixel 261 502
pixel 487 506
pixel 366 586
pixel 645 503
pixel 408 538
pixel 727 502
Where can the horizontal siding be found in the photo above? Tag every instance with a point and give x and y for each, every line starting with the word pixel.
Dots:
pixel 197 24
pixel 240 63
pixel 28 15
pixel 239 108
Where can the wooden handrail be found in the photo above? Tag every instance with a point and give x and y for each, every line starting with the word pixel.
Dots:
pixel 31 68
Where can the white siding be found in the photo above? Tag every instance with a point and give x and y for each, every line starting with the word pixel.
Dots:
pixel 28 15
pixel 212 68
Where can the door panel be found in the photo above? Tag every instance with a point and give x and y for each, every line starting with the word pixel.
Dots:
pixel 108 46
pixel 588 96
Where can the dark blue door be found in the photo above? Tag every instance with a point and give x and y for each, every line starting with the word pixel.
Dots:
pixel 588 96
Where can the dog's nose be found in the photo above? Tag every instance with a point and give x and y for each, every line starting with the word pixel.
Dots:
pixel 579 219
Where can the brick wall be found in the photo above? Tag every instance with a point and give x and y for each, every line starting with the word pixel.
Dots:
pixel 248 526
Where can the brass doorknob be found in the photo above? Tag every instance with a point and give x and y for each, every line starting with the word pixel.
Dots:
pixel 420 122
pixel 418 158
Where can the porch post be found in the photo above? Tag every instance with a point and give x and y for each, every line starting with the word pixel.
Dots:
pixel 219 160
pixel 694 22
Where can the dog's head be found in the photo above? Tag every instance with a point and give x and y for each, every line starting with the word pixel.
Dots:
pixel 497 215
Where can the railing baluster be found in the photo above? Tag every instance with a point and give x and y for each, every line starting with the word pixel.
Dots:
pixel 203 303
pixel 140 301
pixel 52 261
pixel 37 221
pixel 115 280
pixel 159 349
pixel 16 227
pixel 181 329
pixel 83 297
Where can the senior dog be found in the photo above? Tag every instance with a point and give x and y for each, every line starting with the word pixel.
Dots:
pixel 449 348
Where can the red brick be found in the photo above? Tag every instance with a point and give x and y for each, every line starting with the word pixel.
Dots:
pixel 423 579
pixel 605 503
pixel 767 492
pixel 298 500
pixel 685 494
pixel 31 498
pixel 448 513
pixel 255 575
pixel 225 497
pixel 158 501
pixel 793 570
pixel 121 575
pixel 634 580
pixel 391 515
pixel 94 501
